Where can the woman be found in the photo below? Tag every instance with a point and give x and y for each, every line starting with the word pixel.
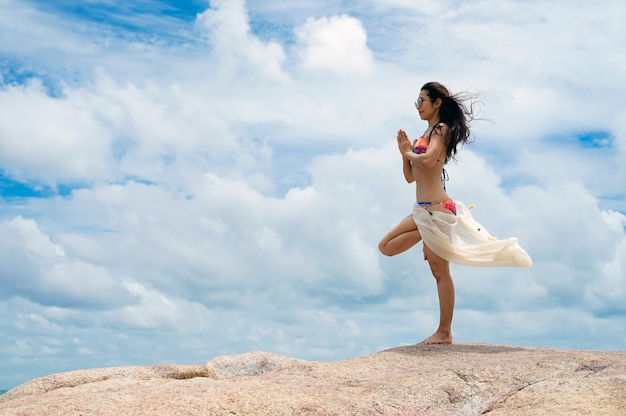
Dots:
pixel 449 232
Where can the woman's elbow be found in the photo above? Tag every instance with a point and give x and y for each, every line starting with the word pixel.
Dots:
pixel 428 164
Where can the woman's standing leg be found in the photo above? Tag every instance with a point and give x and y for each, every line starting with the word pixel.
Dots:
pixel 445 289
pixel 400 238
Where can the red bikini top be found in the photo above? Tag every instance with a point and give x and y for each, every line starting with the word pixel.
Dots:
pixel 421 145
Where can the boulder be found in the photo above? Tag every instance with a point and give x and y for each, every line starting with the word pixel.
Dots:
pixel 457 379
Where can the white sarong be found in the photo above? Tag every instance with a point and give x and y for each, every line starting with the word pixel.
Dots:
pixel 461 239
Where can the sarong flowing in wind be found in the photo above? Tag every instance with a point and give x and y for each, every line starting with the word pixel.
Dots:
pixel 461 239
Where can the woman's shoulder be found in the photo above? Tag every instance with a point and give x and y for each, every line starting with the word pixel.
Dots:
pixel 440 128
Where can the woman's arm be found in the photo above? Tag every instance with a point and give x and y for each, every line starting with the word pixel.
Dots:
pixel 428 159
pixel 403 144
pixel 407 169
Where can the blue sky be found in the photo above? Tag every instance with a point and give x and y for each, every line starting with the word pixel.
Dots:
pixel 180 180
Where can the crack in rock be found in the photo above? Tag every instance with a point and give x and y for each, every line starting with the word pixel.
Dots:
pixel 593 367
pixel 453 395
pixel 503 398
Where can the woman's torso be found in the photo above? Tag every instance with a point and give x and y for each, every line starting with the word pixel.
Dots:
pixel 428 180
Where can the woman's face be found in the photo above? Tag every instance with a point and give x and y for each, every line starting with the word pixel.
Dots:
pixel 425 107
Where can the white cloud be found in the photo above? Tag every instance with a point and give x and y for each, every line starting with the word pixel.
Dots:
pixel 226 25
pixel 427 7
pixel 24 28
pixel 336 44
pixel 38 269
pixel 158 311
pixel 48 139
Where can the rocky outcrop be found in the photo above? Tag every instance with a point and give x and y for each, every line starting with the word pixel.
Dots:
pixel 458 379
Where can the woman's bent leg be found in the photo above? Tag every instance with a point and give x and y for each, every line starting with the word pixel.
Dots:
pixel 400 238
pixel 445 289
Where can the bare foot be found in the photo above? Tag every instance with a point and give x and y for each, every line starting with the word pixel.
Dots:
pixel 439 337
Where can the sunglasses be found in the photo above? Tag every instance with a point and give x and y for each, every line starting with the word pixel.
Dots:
pixel 420 101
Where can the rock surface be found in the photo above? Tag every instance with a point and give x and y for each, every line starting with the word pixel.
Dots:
pixel 458 379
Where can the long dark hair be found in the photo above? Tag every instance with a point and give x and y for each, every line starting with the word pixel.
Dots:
pixel 457 112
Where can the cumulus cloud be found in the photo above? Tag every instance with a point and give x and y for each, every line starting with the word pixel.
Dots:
pixel 38 269
pixel 226 26
pixel 49 140
pixel 335 44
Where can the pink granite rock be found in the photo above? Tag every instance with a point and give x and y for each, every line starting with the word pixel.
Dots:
pixel 458 379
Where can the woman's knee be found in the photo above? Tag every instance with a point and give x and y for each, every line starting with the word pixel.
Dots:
pixel 382 247
pixel 438 270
